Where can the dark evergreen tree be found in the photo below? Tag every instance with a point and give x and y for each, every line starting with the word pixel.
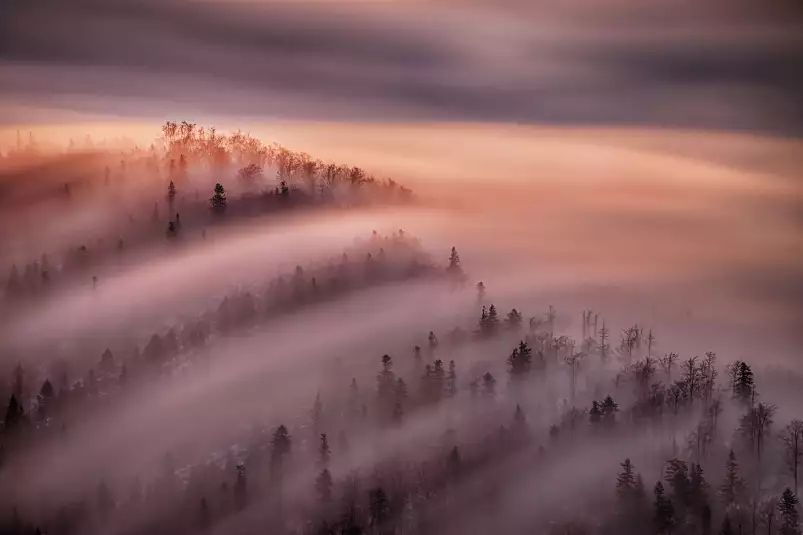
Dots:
pixel 324 452
pixel 218 201
pixel 609 409
pixel 732 489
pixel 595 414
pixel 787 507
pixel 171 194
pixel 493 321
pixel 513 320
pixel 663 511
pixel 520 360
pixel 480 292
pixel 677 475
pixel 451 380
pixel 280 446
pixel 14 415
pixel 744 385
pixel 454 269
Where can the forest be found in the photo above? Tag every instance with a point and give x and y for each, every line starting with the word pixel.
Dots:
pixel 210 334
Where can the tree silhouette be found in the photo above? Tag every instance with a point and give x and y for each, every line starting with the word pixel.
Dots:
pixel 732 489
pixel 663 511
pixel 744 385
pixel 280 446
pixel 218 201
pixel 520 360
pixel 325 452
pixel 787 507
pixel 480 292
pixel 792 438
pixel 171 194
pixel 14 415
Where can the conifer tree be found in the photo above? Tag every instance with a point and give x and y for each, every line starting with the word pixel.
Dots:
pixel 520 360
pixel 677 475
pixel 663 511
pixel 171 194
pixel 280 446
pixel 513 320
pixel 744 384
pixel 454 269
pixel 451 380
pixel 595 414
pixel 14 415
pixel 325 452
pixel 218 201
pixel 480 292
pixel 609 409
pixel 792 437
pixel 787 507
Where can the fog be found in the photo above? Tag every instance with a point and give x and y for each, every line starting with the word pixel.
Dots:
pixel 408 267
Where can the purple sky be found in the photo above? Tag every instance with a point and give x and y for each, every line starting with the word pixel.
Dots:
pixel 735 64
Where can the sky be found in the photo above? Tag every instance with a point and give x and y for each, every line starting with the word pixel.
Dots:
pixel 715 65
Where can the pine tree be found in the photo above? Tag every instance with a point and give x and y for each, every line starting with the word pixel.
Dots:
pixel 14 415
pixel 520 360
pixel 386 382
pixel 218 201
pixel 325 452
pixel 595 414
pixel 677 475
pixel 520 430
pixel 625 482
pixel 744 385
pixel 451 380
pixel 280 446
pixel 454 269
pixel 480 292
pixel 787 507
pixel 171 194
pixel 433 342
pixel 663 511
pixel 513 320
pixel 609 409
pixel 732 489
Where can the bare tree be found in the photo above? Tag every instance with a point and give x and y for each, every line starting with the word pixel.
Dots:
pixel 604 347
pixel 573 360
pixel 667 362
pixel 792 437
